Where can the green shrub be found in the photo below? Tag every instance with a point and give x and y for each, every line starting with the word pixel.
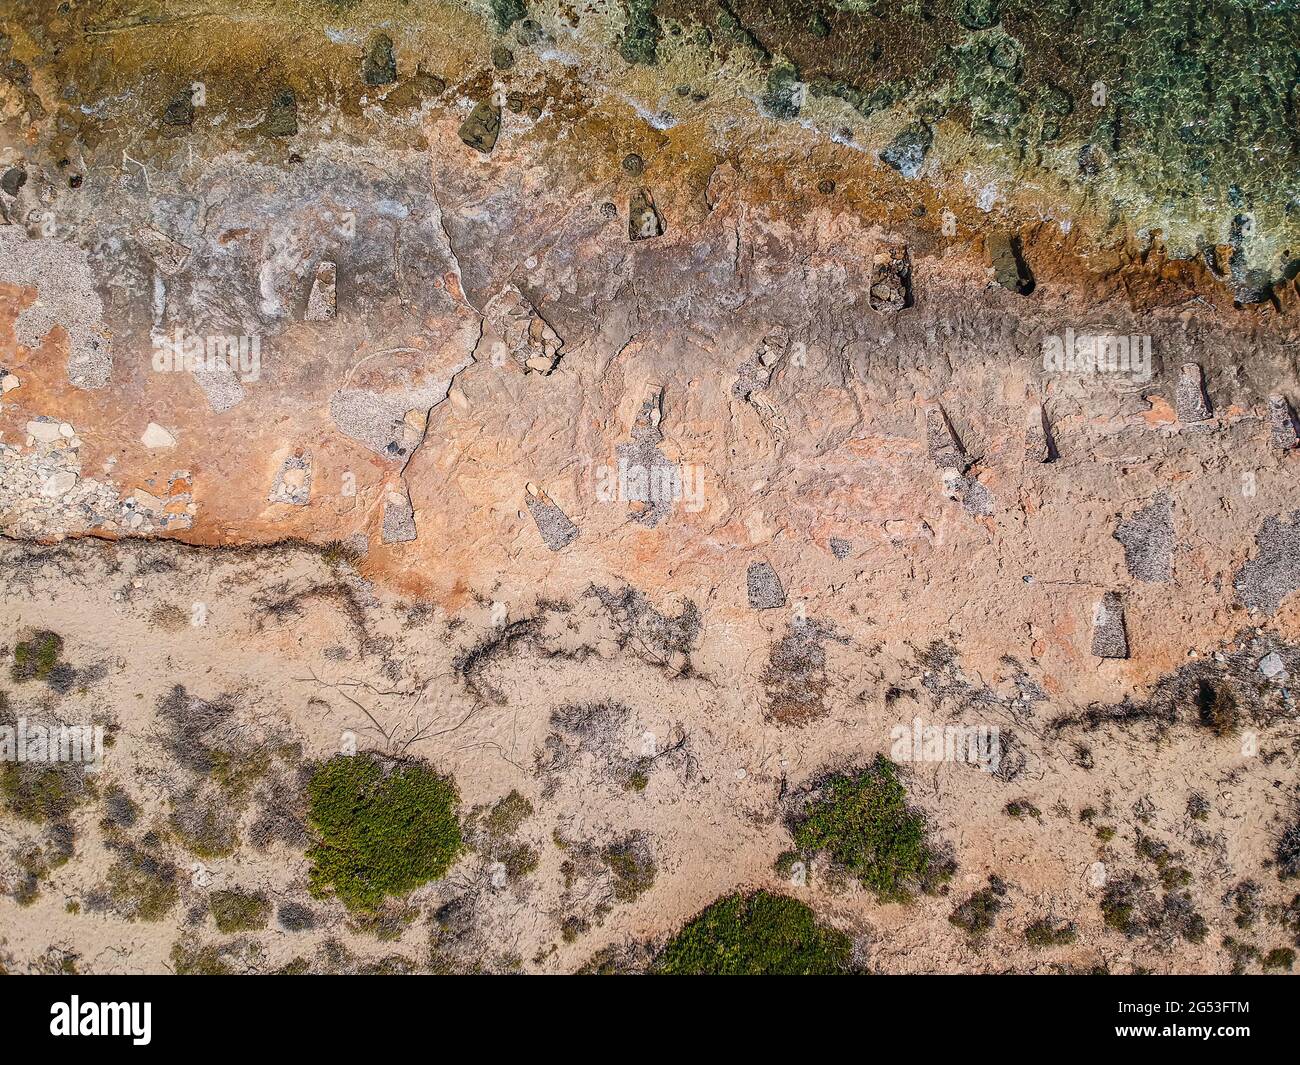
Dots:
pixel 632 864
pixel 35 658
pixel 976 915
pixel 1287 851
pixel 520 860
pixel 1279 958
pixel 507 815
pixel 863 822
pixel 42 792
pixel 756 934
pixel 200 960
pixel 142 886
pixel 239 911
pixel 1049 934
pixel 382 828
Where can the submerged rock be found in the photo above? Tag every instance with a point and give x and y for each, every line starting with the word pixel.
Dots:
pixel 907 151
pixel 380 64
pixel 481 128
pixel 1007 264
pixel 282 116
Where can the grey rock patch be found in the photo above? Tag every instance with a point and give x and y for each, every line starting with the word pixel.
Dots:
pixel 968 492
pixel 66 296
pixel 1038 437
pixel 764 587
pixel 42 492
pixel 1271 665
pixel 359 544
pixel 554 525
pixel 293 482
pixel 1274 573
pixel 942 443
pixel 1189 399
pixel 221 388
pixel 322 302
pixel 653 485
pixel 1109 637
pixel 1281 422
pixel 1148 539
pixel 907 151
pixel 399 518
pixel 380 421
pixel 841 548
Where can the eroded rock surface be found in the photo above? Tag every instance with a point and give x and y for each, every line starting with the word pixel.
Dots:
pixel 728 389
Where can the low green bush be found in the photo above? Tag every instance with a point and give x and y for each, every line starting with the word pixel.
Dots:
pixel 239 911
pixel 863 822
pixel 756 934
pixel 382 828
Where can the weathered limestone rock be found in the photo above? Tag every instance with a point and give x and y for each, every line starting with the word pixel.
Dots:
pixel 155 436
pixel 764 587
pixel 1190 399
pixel 1109 635
pixel 945 450
pixel 1281 422
pixel 1148 539
pixel 399 518
pixel 1038 439
pixel 321 302
pixel 554 525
